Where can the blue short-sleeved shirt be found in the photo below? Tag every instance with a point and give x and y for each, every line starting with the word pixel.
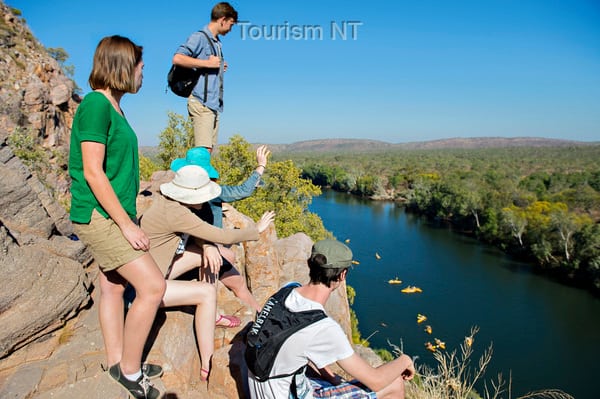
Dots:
pixel 197 46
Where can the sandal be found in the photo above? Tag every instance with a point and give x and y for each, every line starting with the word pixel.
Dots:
pixel 228 321
pixel 204 375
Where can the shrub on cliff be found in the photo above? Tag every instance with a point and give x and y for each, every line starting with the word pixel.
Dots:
pixel 283 189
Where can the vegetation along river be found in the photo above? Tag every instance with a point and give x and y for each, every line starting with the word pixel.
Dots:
pixel 545 334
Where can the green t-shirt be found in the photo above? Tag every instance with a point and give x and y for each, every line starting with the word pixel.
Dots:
pixel 96 120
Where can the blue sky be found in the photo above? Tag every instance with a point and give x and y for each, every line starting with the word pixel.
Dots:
pixel 405 70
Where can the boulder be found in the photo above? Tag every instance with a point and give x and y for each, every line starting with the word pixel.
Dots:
pixel 60 94
pixel 44 278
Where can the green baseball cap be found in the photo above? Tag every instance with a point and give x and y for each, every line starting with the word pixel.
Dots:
pixel 338 255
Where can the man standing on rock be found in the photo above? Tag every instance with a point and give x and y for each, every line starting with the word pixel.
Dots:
pixel 202 50
pixel 322 343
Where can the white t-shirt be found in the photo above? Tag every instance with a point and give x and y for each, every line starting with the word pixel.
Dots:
pixel 323 343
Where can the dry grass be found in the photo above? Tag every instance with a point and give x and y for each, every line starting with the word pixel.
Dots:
pixel 455 378
pixel 67 332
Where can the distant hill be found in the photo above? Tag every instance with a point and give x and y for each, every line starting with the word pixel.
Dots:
pixel 150 152
pixel 363 145
pixel 332 145
pixel 345 145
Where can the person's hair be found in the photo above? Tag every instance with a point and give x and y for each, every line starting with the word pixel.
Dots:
pixel 115 60
pixel 320 274
pixel 223 10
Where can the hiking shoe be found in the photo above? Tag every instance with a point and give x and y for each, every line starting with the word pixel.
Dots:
pixel 152 370
pixel 139 389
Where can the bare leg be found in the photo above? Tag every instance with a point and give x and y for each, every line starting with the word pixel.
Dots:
pixel 204 296
pixel 112 315
pixel 190 259
pixel 236 283
pixel 150 285
pixel 227 253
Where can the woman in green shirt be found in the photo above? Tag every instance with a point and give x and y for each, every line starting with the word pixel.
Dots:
pixel 104 168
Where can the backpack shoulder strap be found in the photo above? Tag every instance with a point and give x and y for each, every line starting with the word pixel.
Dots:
pixel 214 52
pixel 210 43
pixel 315 315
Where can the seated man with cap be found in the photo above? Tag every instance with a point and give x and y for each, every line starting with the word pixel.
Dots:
pixel 324 342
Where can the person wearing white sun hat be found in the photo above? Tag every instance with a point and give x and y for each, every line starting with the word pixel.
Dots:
pixel 221 255
pixel 169 222
pixel 191 185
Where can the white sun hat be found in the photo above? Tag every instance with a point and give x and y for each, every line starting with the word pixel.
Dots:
pixel 191 185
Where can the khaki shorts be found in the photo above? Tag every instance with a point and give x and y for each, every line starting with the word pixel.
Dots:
pixel 108 245
pixel 206 123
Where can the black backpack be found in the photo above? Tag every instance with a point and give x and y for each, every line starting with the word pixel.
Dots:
pixel 182 80
pixel 273 326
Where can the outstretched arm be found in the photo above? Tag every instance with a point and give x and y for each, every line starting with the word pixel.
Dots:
pixel 211 254
pixel 378 378
pixel 244 190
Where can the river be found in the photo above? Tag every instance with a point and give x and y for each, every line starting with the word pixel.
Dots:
pixel 545 334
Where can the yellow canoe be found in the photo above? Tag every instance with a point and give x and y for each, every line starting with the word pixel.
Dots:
pixel 411 289
pixel 440 344
pixel 430 347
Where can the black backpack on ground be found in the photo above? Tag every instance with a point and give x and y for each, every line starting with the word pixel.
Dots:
pixel 182 80
pixel 273 326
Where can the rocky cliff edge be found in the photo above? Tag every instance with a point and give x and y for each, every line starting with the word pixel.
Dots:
pixel 65 358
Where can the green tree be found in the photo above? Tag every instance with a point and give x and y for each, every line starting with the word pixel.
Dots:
pixel 594 180
pixel 587 251
pixel 58 53
pixel 147 167
pixel 343 182
pixel 537 183
pixel 237 160
pixel 490 227
pixel 567 224
pixel 175 139
pixel 61 56
pixel 283 190
pixel 516 221
pixel 472 198
pixel 367 185
pixel 398 180
pixel 584 198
